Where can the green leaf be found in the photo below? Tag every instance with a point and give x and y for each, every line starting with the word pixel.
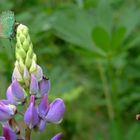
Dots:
pixel 101 38
pixel 133 132
pixel 75 26
pixel 118 37
pixel 133 42
pixel 103 15
pixel 129 19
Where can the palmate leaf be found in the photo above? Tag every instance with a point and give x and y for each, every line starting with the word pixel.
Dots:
pixel 75 26
pixel 129 19
pixel 7 20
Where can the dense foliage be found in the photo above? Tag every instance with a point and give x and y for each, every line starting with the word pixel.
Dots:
pixel 90 51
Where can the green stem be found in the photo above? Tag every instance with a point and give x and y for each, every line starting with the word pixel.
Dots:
pixel 113 84
pixel 114 90
pixel 106 90
pixel 27 133
pixel 118 131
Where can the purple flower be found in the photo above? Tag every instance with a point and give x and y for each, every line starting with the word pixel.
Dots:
pixel 8 133
pixel 56 111
pixel 15 93
pixel 44 86
pixel 34 89
pixel 31 115
pixel 57 137
pixel 52 113
pixel 6 111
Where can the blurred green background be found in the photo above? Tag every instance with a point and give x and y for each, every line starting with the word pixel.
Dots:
pixel 90 50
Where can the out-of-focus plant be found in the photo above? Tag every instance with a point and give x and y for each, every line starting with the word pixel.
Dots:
pixel 105 36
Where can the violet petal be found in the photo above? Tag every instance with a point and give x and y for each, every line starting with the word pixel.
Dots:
pixel 6 102
pixel 10 96
pixel 31 115
pixel 8 133
pixel 15 93
pixel 34 85
pixel 6 112
pixel 43 106
pixel 56 111
pixel 42 125
pixel 44 86
pixel 17 90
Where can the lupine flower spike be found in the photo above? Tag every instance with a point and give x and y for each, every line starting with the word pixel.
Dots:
pixel 27 95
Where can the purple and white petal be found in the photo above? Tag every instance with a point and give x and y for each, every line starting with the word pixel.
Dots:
pixel 7 112
pixel 34 89
pixel 17 90
pixel 16 74
pixel 15 93
pixel 56 111
pixel 10 96
pixel 38 73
